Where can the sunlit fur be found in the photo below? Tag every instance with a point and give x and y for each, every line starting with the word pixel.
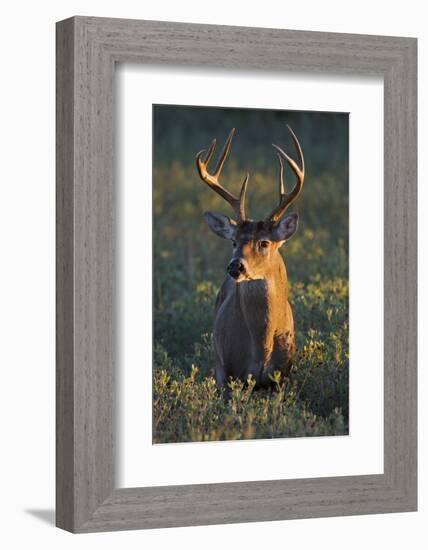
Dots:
pixel 253 325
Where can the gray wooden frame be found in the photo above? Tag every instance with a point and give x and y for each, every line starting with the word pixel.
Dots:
pixel 87 50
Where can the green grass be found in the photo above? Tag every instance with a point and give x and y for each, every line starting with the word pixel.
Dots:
pixel 312 401
pixel 189 266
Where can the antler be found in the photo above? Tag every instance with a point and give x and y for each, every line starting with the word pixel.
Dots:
pixel 285 199
pixel 237 203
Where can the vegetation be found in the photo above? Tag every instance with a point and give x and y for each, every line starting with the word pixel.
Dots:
pixel 189 266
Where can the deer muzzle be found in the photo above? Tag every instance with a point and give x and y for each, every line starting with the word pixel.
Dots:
pixel 236 268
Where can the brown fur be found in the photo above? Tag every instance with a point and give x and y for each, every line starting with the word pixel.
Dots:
pixel 253 326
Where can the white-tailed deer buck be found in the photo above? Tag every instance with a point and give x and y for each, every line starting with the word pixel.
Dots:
pixel 253 327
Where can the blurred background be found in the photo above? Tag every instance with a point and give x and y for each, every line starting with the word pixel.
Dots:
pixel 189 260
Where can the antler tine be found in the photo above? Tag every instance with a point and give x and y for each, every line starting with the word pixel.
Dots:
pixel 238 204
pixel 281 177
pixel 224 154
pixel 285 199
pixel 242 216
pixel 210 152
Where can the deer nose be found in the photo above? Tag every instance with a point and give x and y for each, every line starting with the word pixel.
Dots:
pixel 235 268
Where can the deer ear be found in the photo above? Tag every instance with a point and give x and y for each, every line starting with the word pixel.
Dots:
pixel 286 228
pixel 221 225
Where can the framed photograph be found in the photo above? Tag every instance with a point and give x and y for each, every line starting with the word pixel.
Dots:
pixel 236 274
pixel 226 323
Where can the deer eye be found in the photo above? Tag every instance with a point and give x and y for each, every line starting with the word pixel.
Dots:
pixel 264 244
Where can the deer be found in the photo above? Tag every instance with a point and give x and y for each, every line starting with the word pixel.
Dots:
pixel 253 332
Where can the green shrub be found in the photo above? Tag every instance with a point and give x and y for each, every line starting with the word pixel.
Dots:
pixel 312 401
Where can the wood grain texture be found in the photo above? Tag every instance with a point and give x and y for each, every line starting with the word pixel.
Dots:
pixel 64 278
pixel 87 50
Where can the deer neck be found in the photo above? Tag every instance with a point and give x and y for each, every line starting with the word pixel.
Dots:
pixel 263 304
pixel 262 298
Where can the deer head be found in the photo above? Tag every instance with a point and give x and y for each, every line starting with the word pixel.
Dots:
pixel 255 243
